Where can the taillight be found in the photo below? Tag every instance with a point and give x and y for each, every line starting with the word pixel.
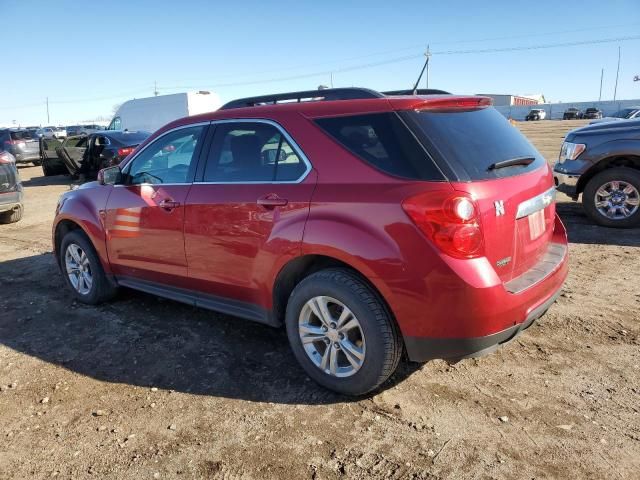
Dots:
pixel 451 221
pixel 5 158
pixel 123 152
pixel 15 142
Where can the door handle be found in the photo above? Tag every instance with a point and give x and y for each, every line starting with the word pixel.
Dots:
pixel 168 204
pixel 272 201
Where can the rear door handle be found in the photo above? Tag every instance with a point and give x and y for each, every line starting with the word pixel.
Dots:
pixel 168 204
pixel 272 201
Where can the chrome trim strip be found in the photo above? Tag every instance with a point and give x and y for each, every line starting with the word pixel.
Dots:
pixel 539 202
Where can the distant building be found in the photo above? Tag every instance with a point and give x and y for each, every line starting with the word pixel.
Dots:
pixel 514 100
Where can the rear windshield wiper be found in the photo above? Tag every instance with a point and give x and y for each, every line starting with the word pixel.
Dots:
pixel 524 161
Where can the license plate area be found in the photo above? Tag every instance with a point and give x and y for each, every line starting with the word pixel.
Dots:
pixel 537 224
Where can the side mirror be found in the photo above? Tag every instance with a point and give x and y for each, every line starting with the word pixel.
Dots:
pixel 110 176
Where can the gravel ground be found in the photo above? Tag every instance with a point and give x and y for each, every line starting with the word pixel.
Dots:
pixel 148 388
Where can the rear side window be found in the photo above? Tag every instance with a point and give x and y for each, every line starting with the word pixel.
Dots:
pixel 252 152
pixel 471 141
pixel 384 142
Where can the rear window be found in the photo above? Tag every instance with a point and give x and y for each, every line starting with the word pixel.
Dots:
pixel 383 141
pixel 8 177
pixel 470 141
pixel 22 135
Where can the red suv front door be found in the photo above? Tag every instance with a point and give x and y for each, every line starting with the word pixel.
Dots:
pixel 247 211
pixel 145 214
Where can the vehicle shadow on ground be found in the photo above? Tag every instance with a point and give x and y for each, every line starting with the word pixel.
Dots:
pixel 45 181
pixel 142 340
pixel 581 228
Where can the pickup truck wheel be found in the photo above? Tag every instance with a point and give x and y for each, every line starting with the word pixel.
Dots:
pixel 12 216
pixel 82 270
pixel 341 333
pixel 612 198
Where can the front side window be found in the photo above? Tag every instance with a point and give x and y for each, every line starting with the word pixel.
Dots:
pixel 251 152
pixel 167 160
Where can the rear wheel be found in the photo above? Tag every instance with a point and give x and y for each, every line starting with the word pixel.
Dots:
pixel 612 198
pixel 341 333
pixel 12 216
pixel 83 271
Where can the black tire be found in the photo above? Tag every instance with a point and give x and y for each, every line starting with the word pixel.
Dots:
pixel 623 174
pixel 37 163
pixel 12 216
pixel 382 339
pixel 101 288
pixel 46 170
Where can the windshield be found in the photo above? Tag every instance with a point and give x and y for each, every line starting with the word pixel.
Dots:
pixel 624 113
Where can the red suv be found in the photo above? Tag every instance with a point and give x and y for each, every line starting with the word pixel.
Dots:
pixel 368 225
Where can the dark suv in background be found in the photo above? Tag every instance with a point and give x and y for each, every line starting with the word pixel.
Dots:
pixel 23 144
pixel 601 162
pixel 592 113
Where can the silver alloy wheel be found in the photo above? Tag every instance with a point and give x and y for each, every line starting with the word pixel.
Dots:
pixel 78 269
pixel 617 200
pixel 331 336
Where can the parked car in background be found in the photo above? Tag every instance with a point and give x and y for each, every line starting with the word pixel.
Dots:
pixel 149 114
pixel 572 114
pixel 83 129
pixel 592 113
pixel 21 144
pixel 369 226
pixel 51 132
pixel 602 163
pixel 536 114
pixel 86 154
pixel 624 114
pixel 11 195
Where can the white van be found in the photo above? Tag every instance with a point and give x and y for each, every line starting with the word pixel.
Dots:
pixel 149 114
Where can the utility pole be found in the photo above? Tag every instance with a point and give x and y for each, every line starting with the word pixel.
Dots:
pixel 48 121
pixel 615 89
pixel 601 76
pixel 155 88
pixel 428 55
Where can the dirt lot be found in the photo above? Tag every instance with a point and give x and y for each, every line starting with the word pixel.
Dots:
pixel 146 388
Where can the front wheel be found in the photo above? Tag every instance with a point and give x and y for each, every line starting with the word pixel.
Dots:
pixel 82 269
pixel 612 198
pixel 341 333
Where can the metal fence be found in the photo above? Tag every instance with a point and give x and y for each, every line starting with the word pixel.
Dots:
pixel 556 110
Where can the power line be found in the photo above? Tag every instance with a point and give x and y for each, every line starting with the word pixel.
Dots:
pixel 412 57
pixel 363 66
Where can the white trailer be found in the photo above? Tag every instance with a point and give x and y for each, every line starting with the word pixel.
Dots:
pixel 149 114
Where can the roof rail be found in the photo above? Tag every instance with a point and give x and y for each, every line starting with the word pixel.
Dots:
pixel 309 95
pixel 419 91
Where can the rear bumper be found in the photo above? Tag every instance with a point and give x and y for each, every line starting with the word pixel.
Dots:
pixel 469 320
pixel 424 349
pixel 566 183
pixel 26 157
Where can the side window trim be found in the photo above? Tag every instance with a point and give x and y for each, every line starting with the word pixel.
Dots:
pixel 284 136
pixel 197 154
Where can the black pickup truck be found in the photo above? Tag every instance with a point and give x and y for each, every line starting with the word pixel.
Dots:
pixel 602 162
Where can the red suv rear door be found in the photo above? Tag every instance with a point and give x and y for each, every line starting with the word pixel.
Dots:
pixel 246 211
pixel 145 215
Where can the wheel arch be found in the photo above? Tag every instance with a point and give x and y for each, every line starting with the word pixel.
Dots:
pixel 628 161
pixel 297 269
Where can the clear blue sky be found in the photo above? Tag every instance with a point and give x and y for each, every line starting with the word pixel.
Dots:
pixel 89 56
